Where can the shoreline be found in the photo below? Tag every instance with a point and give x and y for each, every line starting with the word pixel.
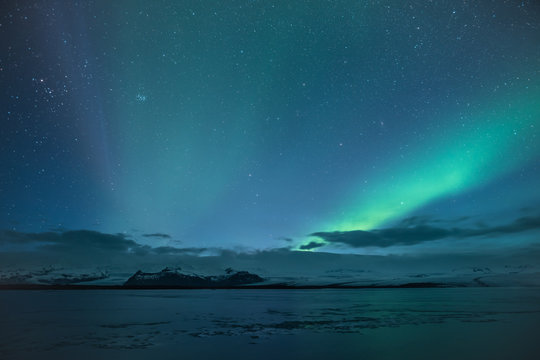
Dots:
pixel 423 285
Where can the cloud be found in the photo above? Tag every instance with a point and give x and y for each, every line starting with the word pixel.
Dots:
pixel 174 250
pixel 417 230
pixel 158 235
pixel 120 256
pixel 76 238
pixel 311 245
pixel 85 241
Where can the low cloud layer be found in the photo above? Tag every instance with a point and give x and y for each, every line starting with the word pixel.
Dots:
pixel 85 241
pixel 158 235
pixel 312 245
pixel 84 255
pixel 413 232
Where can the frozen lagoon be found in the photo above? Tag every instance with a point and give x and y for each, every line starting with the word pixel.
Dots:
pixel 432 323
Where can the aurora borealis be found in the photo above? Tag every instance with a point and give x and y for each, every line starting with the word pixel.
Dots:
pixel 249 125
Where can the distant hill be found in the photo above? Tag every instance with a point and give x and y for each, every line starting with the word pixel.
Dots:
pixel 174 278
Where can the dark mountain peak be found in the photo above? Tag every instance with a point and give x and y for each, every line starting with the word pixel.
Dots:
pixel 174 278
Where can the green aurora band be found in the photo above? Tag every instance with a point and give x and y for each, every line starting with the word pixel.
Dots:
pixel 471 153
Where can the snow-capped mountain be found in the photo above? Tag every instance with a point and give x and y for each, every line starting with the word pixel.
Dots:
pixel 170 277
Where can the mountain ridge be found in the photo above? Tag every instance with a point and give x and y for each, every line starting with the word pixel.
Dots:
pixel 170 277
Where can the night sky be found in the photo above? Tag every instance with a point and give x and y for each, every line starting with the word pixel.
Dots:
pixel 366 127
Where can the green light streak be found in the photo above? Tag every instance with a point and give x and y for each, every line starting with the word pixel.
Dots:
pixel 459 159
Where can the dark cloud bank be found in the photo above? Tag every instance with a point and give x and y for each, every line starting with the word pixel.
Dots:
pixel 311 245
pixel 415 231
pixel 158 235
pixel 88 241
pixel 121 255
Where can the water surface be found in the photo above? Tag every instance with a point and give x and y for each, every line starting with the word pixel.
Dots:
pixel 466 323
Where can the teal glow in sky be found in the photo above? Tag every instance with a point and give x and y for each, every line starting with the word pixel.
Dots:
pixel 253 124
pixel 477 148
